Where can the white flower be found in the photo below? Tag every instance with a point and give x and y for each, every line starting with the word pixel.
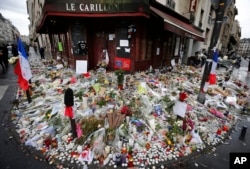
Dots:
pixel 13 60
pixel 179 123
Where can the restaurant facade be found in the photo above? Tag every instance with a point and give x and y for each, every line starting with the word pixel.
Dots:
pixel 130 34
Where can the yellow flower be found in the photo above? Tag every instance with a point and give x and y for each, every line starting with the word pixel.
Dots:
pixel 169 142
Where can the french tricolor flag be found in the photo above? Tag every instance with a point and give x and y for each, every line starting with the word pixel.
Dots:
pixel 212 76
pixel 22 67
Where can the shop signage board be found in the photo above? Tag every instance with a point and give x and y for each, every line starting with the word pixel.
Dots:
pixel 98 6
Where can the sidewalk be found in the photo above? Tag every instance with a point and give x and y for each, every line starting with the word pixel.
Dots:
pixel 218 157
pixel 14 155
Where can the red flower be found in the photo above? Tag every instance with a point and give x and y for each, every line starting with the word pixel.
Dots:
pixel 182 96
pixel 86 75
pixel 125 110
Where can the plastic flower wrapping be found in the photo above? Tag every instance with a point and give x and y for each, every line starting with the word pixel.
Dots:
pixel 149 122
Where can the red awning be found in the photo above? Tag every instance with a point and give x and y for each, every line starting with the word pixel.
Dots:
pixel 177 26
pixel 45 19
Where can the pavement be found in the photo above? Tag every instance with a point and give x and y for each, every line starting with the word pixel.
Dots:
pixel 14 155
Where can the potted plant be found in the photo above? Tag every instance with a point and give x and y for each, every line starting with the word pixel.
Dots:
pixel 120 78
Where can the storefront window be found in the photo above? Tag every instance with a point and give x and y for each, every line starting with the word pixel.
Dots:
pixel 177 47
pixel 149 49
pixel 169 45
pixel 122 43
pixel 143 49
pixel 79 44
pixel 146 46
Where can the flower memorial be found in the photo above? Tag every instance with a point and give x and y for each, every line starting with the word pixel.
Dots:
pixel 154 120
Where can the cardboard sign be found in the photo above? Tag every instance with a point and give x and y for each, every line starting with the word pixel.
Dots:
pixel 81 66
pixel 180 108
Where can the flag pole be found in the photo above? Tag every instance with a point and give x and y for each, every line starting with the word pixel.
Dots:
pixel 211 51
pixel 28 93
pixel 22 70
pixel 28 96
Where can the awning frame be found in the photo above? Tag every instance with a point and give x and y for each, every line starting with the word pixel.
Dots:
pixel 186 30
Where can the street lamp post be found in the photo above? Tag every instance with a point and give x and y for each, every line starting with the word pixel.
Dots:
pixel 248 64
pixel 215 36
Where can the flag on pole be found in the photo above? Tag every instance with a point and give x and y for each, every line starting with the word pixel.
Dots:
pixel 212 76
pixel 22 67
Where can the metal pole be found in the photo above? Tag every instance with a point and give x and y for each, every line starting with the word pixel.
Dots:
pixel 248 64
pixel 28 96
pixel 215 36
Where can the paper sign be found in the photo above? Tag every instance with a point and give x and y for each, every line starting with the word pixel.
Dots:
pixel 124 43
pixel 127 50
pixel 81 66
pixel 111 36
pixel 157 51
pixel 60 48
pixel 180 108
pixel 122 63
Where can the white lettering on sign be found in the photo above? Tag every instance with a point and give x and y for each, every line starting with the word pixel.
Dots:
pixel 70 7
pixel 92 7
pixel 240 160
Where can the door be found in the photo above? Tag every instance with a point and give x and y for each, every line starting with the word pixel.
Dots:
pixel 104 49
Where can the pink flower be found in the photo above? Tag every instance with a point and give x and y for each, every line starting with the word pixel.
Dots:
pixel 85 154
pixel 73 79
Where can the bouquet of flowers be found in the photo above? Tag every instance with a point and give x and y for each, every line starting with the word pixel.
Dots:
pixel 13 60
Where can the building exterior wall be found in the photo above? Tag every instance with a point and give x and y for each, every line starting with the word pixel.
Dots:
pixel 244 47
pixel 202 21
pixel 8 31
pixel 144 50
pixel 236 33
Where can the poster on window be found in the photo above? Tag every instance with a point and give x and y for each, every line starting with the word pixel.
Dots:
pixel 122 63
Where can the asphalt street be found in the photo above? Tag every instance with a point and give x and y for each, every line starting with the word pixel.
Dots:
pixel 14 155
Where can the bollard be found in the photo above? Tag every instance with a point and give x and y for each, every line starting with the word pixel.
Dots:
pixel 243 131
